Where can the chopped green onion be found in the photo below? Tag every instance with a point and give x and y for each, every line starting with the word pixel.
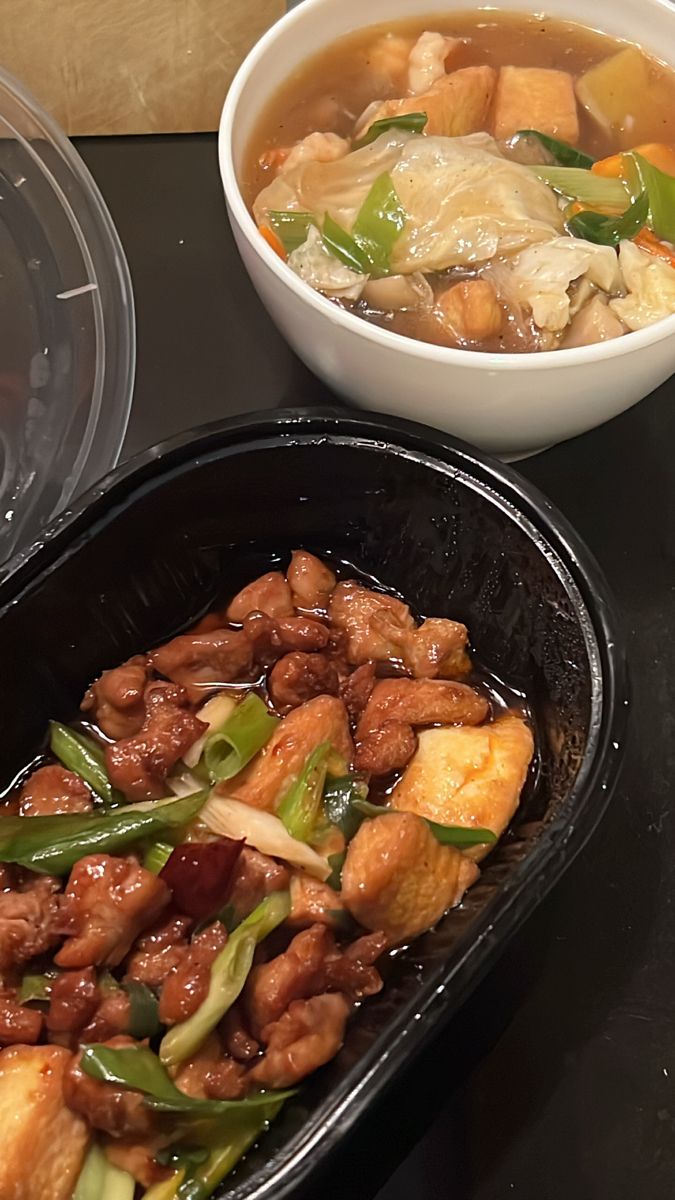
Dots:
pixel 52 845
pixel 238 741
pixel 338 802
pixel 290 227
pixel 336 862
pixel 301 805
pixel 597 190
pixel 86 758
pixel 157 856
pixel 661 191
pixel 229 973
pixel 609 231
pixel 448 835
pixel 205 1179
pixel 137 1067
pixel 564 154
pixel 143 1009
pixel 343 247
pixel 107 983
pixel 379 223
pixel 99 1179
pixel 408 122
pixel 36 987
pixel 166 1189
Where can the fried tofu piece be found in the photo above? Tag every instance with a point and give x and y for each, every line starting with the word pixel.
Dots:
pixel 43 1142
pixel 399 879
pixel 468 775
pixel 623 93
pixel 456 105
pixel 536 98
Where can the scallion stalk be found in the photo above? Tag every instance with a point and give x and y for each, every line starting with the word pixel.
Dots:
pixel 205 1178
pixel 564 154
pixel 449 835
pixel 408 122
pixel 99 1179
pixel 290 227
pixel 596 190
pixel 157 856
pixel 245 732
pixel 300 807
pixel 85 757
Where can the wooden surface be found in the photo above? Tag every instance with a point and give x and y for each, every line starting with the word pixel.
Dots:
pixel 131 66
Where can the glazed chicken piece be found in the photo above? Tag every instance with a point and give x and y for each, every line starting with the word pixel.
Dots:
pixel 139 765
pixel 380 628
pixel 138 1158
pixel 271 638
pixel 352 971
pixel 464 776
pixel 385 740
pixel 53 790
pixel 398 879
pixel 255 876
pixel 120 1112
pixel 74 998
pixel 18 1024
pixel 270 594
pixel 313 902
pixel 294 975
pixel 212 1074
pixel 305 1037
pixel 115 700
pixel 43 1142
pixel 111 1018
pixel 107 903
pixel 311 582
pixel 28 920
pixel 356 688
pixel 201 661
pixel 267 779
pixel 237 1040
pixel 298 677
pixel 187 985
pixel 159 950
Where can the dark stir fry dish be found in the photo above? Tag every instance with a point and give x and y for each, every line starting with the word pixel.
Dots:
pixel 485 181
pixel 203 875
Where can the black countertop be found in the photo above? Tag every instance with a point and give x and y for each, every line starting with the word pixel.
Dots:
pixel 557 1079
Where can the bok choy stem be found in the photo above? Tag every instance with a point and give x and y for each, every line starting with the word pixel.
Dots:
pixel 244 733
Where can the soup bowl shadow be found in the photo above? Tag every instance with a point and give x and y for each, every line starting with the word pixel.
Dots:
pixel 162 539
pixel 511 405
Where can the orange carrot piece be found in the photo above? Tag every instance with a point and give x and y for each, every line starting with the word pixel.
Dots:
pixel 648 241
pixel 657 153
pixel 274 157
pixel 273 240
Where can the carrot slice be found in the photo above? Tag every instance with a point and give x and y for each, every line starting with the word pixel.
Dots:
pixel 273 241
pixel 657 153
pixel 648 241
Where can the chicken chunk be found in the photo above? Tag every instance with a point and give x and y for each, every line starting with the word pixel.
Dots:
pixel 159 950
pixel 356 688
pixel 468 776
pixel 237 1040
pixel 43 1142
pixel 305 1037
pixel 115 700
pixel 384 735
pixel 73 1001
pixel 536 98
pixel 270 594
pixel 379 628
pixel 111 1018
pixel 28 921
pixel 595 322
pixel 298 677
pixel 313 901
pixel 212 1074
pixel 311 582
pixel 470 310
pixel 187 985
pixel 108 901
pixel 120 1112
pixel 53 790
pixel 255 876
pixel 204 660
pixel 139 765
pixel 456 105
pixel 297 973
pixel 386 749
pixel 267 779
pixel 427 60
pixel 397 878
pixel 271 638
pixel 18 1024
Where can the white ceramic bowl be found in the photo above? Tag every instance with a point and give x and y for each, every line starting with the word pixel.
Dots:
pixel 511 405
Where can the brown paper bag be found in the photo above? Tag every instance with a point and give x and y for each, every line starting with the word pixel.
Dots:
pixel 131 66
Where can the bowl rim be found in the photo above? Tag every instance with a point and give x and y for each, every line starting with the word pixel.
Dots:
pixel 634 340
pixel 557 844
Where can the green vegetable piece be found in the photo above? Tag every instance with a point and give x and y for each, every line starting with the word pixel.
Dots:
pixel 660 188
pixel 336 862
pixel 137 1067
pixel 409 122
pixel 157 856
pixel 448 835
pixel 564 154
pixel 143 1009
pixel 86 758
pixel 339 796
pixel 99 1179
pixel 36 987
pixel 301 805
pixel 245 732
pixel 343 247
pixel 291 228
pixel 52 845
pixel 596 190
pixel 609 231
pixel 205 1179
pixel 228 975
pixel 166 1189
pixel 379 222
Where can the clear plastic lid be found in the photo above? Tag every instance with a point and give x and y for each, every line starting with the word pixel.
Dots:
pixel 67 340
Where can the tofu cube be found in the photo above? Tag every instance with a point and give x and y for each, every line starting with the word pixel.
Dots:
pixel 43 1142
pixel 536 98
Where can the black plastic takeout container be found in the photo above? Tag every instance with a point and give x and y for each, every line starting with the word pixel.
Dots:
pixel 454 533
